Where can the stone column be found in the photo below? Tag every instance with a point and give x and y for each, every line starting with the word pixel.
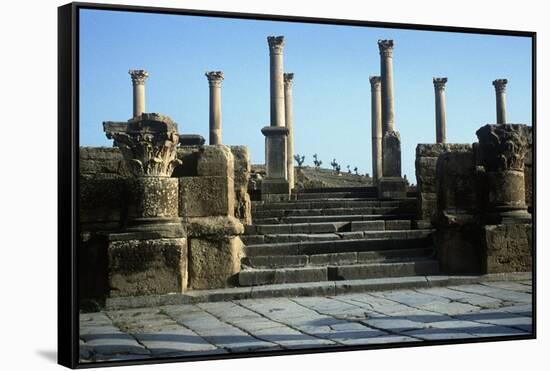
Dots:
pixel 440 119
pixel 215 79
pixel 503 148
pixel 138 81
pixel 289 121
pixel 386 76
pixel 391 185
pixel 376 125
pixel 275 186
pixel 500 90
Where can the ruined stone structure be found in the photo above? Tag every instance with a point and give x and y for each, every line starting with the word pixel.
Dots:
pixel 215 79
pixel 440 114
pixel 376 128
pixel 500 91
pixel 275 186
pixel 289 122
pixel 391 185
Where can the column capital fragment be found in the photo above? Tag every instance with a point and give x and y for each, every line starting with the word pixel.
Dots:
pixel 375 82
pixel 439 83
pixel 500 85
pixel 386 48
pixel 288 78
pixel 276 44
pixel 138 76
pixel 215 78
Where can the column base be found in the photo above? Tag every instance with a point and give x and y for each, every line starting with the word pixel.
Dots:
pixel 508 216
pixel 275 190
pixel 392 188
pixel 156 227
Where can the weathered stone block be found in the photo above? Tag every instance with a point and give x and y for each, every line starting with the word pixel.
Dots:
pixel 436 149
pixel 102 162
pixel 458 247
pixel 214 227
pixel 392 188
pixel 507 248
pixel 214 263
pixel 102 202
pixel 391 152
pixel 215 160
pixel 146 267
pixel 456 181
pixel 241 179
pixel 206 196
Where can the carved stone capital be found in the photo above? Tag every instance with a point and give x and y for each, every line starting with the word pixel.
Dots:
pixel 439 83
pixel 500 85
pixel 276 44
pixel 288 78
pixel 504 146
pixel 215 78
pixel 147 142
pixel 138 76
pixel 386 48
pixel 375 82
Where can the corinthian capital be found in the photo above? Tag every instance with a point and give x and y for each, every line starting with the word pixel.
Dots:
pixel 504 146
pixel 386 48
pixel 288 78
pixel 500 85
pixel 276 44
pixel 439 83
pixel 215 78
pixel 375 82
pixel 138 76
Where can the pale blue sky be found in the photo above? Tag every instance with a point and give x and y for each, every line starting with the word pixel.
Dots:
pixel 331 64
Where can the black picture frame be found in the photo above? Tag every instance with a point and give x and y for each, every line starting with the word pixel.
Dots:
pixel 68 169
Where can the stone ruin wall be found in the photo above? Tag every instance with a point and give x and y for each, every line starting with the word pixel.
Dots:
pixel 213 203
pixel 453 196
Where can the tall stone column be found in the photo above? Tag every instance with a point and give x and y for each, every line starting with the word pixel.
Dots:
pixel 386 77
pixel 138 82
pixel 275 186
pixel 215 79
pixel 391 185
pixel 503 148
pixel 289 122
pixel 376 126
pixel 500 90
pixel 440 116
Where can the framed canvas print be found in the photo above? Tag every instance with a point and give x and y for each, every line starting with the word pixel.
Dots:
pixel 237 185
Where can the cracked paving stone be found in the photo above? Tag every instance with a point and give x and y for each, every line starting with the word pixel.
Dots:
pixel 496 318
pixel 384 339
pixel 440 334
pixel 394 325
pixel 512 286
pixel 463 297
pixel 506 295
pixel 173 339
pixel 116 343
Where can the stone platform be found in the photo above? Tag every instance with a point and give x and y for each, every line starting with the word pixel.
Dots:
pixel 487 309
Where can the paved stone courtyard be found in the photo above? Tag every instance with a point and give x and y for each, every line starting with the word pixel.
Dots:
pixel 413 315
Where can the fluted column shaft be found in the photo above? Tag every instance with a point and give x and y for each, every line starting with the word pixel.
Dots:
pixel 440 114
pixel 215 79
pixel 376 127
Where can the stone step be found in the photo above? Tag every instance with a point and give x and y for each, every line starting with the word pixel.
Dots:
pixel 342 258
pixel 372 190
pixel 328 195
pixel 334 218
pixel 373 210
pixel 331 204
pixel 370 241
pixel 256 277
pixel 257 239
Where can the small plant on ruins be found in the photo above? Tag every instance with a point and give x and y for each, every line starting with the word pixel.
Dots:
pixel 316 161
pixel 356 170
pixel 334 164
pixel 338 168
pixel 299 159
pixel 349 169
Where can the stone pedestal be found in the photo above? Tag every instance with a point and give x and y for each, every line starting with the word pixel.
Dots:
pixel 503 148
pixel 275 186
pixel 507 248
pixel 391 185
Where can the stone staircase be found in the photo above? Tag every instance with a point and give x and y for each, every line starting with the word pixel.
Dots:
pixel 334 234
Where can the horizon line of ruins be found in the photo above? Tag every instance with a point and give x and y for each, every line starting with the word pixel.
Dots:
pixel 279 135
